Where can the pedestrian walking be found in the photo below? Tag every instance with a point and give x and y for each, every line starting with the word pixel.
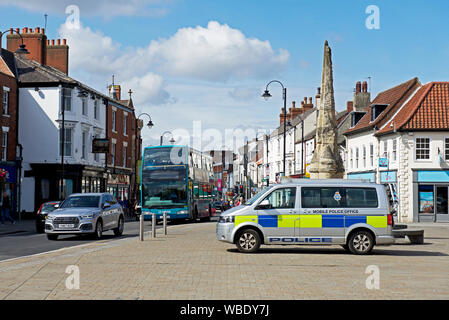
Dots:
pixel 6 208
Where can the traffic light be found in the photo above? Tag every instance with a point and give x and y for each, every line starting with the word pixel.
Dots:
pixel 241 189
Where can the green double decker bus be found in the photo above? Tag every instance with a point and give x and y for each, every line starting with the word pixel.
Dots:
pixel 178 181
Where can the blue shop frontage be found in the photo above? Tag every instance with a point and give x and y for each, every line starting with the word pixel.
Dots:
pixel 431 195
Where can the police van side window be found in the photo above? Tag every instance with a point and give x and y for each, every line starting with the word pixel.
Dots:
pixel 361 198
pixel 282 198
pixel 322 197
pixel 339 197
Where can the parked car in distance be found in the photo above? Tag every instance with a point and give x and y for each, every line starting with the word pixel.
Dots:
pixel 86 213
pixel 42 213
pixel 217 205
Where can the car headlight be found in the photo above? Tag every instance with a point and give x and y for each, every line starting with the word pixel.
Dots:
pixel 87 216
pixel 226 219
pixel 182 212
pixel 49 218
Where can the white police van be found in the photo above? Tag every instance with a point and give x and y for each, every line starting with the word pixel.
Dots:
pixel 350 213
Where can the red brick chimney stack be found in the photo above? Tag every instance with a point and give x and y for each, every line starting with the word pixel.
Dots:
pixel 40 48
pixel 35 42
pixel 58 55
pixel 349 106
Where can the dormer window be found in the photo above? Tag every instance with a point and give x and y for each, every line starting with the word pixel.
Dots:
pixel 376 110
pixel 356 116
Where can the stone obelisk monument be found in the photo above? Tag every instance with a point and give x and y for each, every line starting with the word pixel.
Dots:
pixel 326 162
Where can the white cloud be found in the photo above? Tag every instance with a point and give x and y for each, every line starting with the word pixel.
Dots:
pixel 104 8
pixel 216 53
pixel 97 57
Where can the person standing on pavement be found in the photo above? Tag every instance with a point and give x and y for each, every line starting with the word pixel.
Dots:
pixel 6 207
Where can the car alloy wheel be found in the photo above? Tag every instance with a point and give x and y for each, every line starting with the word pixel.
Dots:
pixel 361 243
pixel 248 241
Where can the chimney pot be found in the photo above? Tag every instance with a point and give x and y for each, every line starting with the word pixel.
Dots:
pixel 64 41
pixel 48 42
pixel 310 100
pixel 365 86
pixel 305 99
pixel 52 42
pixel 43 31
pixel 37 30
pixel 358 87
pixel 10 31
pixel 25 30
pixel 293 104
pixel 18 30
pixel 59 42
pixel 319 90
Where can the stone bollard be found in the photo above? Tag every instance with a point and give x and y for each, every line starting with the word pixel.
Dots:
pixel 153 226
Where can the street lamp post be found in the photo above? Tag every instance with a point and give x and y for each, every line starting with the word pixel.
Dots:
pixel 171 140
pixel 149 125
pixel 266 95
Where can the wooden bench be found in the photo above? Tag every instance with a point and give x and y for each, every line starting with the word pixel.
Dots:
pixel 415 236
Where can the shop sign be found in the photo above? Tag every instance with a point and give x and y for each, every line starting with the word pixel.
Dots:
pixel 118 179
pixel 387 176
pixel 383 162
pixel 100 145
pixel 10 173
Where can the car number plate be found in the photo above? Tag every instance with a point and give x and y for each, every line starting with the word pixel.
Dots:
pixel 66 226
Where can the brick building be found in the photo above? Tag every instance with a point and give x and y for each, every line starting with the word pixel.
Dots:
pixel 59 119
pixel 123 131
pixel 8 119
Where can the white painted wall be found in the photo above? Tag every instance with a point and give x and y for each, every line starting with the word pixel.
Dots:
pixel 40 120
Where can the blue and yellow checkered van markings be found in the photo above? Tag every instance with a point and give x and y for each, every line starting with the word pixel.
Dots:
pixel 312 221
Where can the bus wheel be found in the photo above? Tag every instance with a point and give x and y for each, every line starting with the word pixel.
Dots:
pixel 248 241
pixel 361 242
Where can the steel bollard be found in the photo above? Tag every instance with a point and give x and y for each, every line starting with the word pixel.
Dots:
pixel 141 227
pixel 165 223
pixel 153 226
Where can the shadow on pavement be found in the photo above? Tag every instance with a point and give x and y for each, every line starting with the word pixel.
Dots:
pixel 375 252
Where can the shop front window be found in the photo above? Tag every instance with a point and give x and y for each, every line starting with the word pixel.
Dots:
pixel 426 199
pixel 442 200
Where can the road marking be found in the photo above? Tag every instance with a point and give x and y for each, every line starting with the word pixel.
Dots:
pixel 102 244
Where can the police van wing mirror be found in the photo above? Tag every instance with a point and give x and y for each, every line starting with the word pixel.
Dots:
pixel 265 204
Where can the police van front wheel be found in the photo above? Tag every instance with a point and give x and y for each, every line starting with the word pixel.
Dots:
pixel 361 242
pixel 248 241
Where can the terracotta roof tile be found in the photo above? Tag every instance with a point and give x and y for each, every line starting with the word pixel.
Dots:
pixel 427 110
pixel 393 97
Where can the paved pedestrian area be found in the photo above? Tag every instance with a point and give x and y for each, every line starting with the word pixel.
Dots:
pixel 190 264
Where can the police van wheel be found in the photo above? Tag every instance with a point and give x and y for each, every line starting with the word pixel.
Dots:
pixel 248 241
pixel 361 242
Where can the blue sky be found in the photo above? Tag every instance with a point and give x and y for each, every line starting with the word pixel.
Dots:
pixel 412 41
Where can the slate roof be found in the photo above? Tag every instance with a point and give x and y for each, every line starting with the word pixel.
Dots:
pixel 393 98
pixel 428 109
pixel 33 73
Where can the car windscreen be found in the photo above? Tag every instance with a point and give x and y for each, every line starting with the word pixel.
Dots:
pixel 48 207
pixel 81 202
pixel 257 196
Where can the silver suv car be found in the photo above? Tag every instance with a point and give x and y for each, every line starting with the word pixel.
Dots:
pixel 86 213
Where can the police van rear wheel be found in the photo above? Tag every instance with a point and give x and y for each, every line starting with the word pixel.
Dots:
pixel 361 242
pixel 248 241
